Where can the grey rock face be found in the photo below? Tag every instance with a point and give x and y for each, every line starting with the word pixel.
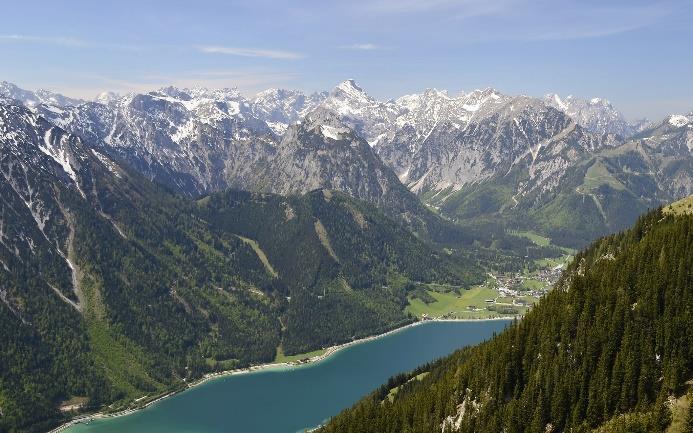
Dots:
pixel 596 115
pixel 195 141
pixel 9 92
pixel 281 108
pixel 322 152
pixel 45 173
pixel 198 141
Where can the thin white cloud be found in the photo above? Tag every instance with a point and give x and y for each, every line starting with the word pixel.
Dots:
pixel 596 22
pixel 210 49
pixel 248 82
pixel 361 47
pixel 529 20
pixel 251 52
pixel 67 41
pixel 55 40
pixel 467 7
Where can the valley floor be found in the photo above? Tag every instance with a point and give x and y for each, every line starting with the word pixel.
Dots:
pixel 502 295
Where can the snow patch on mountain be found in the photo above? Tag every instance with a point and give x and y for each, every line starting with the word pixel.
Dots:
pixel 332 132
pixel 58 152
pixel 596 115
pixel 679 121
pixel 110 165
pixel 9 91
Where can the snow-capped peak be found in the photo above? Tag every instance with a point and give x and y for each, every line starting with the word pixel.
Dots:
pixel 435 93
pixel 106 98
pixel 349 85
pixel 348 89
pixel 40 96
pixel 679 120
pixel 476 99
pixel 595 114
pixel 557 101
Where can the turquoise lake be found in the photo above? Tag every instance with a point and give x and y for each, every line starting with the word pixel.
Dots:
pixel 293 399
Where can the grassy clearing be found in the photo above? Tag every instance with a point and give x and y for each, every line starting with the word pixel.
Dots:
pixel 281 357
pixel 260 255
pixel 679 414
pixel 222 365
pixel 530 300
pixel 681 207
pixel 393 392
pixel 123 363
pixel 538 239
pixel 552 262
pixel 324 239
pixel 73 403
pixel 455 303
pixel 598 175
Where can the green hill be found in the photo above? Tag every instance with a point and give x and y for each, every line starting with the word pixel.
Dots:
pixel 112 287
pixel 606 349
pixel 681 207
pixel 168 289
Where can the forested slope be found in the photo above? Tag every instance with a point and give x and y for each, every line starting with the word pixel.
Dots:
pixel 112 287
pixel 607 347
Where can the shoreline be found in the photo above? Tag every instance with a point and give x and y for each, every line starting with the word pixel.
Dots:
pixel 330 351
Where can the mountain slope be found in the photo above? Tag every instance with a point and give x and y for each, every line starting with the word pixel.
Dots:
pixel 581 188
pixel 198 141
pixel 194 141
pixel 10 92
pixel 324 153
pixel 342 262
pixel 596 115
pixel 281 108
pixel 112 287
pixel 557 166
pixel 607 346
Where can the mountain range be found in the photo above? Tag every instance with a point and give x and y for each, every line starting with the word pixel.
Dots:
pixel 148 238
pixel 110 285
pixel 569 168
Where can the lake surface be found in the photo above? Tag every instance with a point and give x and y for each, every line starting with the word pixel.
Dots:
pixel 289 400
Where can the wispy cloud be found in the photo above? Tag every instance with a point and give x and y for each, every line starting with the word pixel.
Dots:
pixel 210 49
pixel 464 7
pixel 594 22
pixel 251 52
pixel 529 20
pixel 66 41
pixel 55 40
pixel 247 81
pixel 361 47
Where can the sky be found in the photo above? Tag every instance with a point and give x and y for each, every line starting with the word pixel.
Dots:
pixel 636 53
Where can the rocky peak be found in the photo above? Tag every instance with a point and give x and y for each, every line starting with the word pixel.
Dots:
pixel 9 91
pixel 680 120
pixel 349 89
pixel 281 108
pixel 597 115
pixel 107 98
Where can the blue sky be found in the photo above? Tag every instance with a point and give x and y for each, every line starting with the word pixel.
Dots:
pixel 637 53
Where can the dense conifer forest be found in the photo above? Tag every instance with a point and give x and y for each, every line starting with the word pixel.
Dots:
pixel 607 349
pixel 164 289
